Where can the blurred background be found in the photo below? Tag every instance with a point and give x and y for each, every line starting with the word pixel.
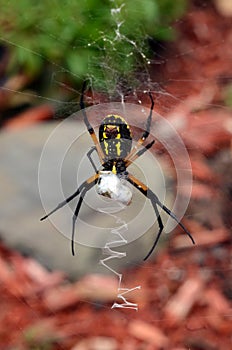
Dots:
pixel 180 51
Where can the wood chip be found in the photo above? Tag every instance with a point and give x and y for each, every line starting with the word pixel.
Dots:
pixel 217 302
pixel 179 306
pixel 203 238
pixel 96 343
pixel 92 287
pixel 149 333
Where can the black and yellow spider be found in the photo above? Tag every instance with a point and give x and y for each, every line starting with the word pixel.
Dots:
pixel 115 152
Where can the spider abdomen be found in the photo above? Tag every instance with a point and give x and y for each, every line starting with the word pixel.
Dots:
pixel 115 137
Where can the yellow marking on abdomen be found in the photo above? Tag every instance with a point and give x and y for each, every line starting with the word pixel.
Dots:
pixel 114 170
pixel 106 147
pixel 118 148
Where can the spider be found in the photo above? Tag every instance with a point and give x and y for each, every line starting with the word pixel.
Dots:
pixel 115 152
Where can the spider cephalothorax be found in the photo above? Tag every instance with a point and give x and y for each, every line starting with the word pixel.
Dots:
pixel 115 152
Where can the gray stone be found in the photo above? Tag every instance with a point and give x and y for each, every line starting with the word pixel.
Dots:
pixel 21 206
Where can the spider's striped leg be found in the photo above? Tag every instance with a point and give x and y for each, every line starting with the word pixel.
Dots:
pixel 89 126
pixel 149 118
pixel 146 132
pixel 91 180
pixel 139 153
pixel 92 149
pixel 161 227
pixel 86 188
pixel 156 202
pixel 145 191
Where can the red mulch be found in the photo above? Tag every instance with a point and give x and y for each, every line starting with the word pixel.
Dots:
pixel 185 296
